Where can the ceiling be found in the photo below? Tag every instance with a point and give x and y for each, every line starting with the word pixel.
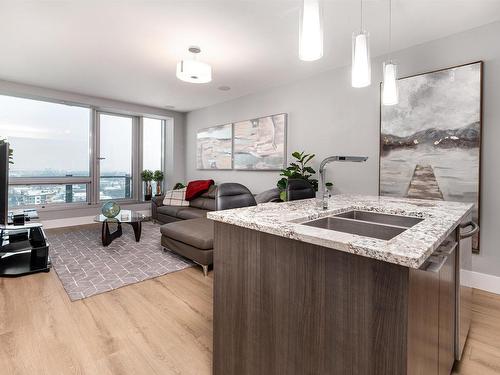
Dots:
pixel 127 50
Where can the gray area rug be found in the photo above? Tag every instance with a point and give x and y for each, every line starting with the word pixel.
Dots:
pixel 86 268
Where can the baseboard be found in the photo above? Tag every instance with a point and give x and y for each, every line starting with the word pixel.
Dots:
pixel 74 221
pixel 482 281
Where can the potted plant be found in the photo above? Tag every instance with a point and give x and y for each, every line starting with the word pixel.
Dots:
pixel 147 176
pixel 179 185
pixel 297 169
pixel 158 178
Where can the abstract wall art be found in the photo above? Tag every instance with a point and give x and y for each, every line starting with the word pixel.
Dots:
pixel 430 142
pixel 214 147
pixel 260 144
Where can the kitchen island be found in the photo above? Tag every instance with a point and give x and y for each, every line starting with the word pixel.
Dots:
pixel 369 286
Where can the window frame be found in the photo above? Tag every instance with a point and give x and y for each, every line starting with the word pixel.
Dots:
pixel 141 150
pixel 133 162
pixel 63 180
pixel 92 181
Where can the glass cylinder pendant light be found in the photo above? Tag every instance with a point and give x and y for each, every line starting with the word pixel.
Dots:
pixel 311 31
pixel 194 71
pixel 390 93
pixel 361 65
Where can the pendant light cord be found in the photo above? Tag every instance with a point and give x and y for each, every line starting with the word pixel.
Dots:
pixel 390 28
pixel 361 7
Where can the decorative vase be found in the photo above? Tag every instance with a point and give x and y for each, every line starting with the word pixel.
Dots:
pixel 158 187
pixel 110 209
pixel 148 191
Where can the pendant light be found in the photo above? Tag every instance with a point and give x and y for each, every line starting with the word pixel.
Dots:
pixel 192 70
pixel 361 74
pixel 390 94
pixel 311 31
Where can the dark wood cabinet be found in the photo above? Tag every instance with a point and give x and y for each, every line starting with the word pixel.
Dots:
pixel 287 307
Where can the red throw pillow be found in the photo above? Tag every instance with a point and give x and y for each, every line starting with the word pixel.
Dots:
pixel 197 188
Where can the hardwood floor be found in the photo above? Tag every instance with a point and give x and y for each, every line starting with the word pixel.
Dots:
pixel 161 326
pixel 482 350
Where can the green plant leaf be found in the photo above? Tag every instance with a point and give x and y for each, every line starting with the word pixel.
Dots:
pixel 309 158
pixel 158 176
pixel 309 170
pixel 283 195
pixel 298 169
pixel 147 175
pixel 282 183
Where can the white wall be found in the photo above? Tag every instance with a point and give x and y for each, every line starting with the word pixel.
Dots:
pixel 328 117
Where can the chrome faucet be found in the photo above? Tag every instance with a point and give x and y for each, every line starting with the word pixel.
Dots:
pixel 353 159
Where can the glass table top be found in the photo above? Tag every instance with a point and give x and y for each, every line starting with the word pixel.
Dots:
pixel 124 216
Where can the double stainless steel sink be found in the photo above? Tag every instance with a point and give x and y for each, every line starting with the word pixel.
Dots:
pixel 366 223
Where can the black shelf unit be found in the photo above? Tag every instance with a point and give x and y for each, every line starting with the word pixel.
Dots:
pixel 23 248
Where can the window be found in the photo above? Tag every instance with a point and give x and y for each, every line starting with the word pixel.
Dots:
pixel 49 139
pixel 51 151
pixel 36 195
pixel 152 135
pixel 115 156
pixel 71 154
pixel 152 144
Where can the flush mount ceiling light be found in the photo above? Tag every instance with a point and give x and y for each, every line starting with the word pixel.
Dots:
pixel 192 70
pixel 390 94
pixel 311 31
pixel 361 64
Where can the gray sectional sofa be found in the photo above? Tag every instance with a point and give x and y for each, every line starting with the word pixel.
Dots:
pixel 197 208
pixel 188 232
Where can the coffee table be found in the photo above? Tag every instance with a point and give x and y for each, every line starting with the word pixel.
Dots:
pixel 133 218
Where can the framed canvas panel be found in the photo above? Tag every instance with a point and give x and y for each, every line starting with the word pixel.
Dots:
pixel 430 142
pixel 260 144
pixel 214 147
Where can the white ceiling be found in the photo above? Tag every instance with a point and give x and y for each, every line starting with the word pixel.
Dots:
pixel 127 50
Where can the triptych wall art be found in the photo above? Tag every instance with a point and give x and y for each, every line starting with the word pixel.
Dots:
pixel 257 144
pixel 214 147
pixel 430 142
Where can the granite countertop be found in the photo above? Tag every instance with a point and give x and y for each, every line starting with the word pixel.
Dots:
pixel 410 248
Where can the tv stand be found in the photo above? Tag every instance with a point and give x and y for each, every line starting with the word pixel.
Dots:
pixel 23 250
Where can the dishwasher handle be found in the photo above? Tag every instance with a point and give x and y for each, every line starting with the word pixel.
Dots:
pixel 473 231
pixel 436 263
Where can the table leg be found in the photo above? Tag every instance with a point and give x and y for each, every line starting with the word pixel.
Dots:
pixel 105 234
pixel 137 230
pixel 108 237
